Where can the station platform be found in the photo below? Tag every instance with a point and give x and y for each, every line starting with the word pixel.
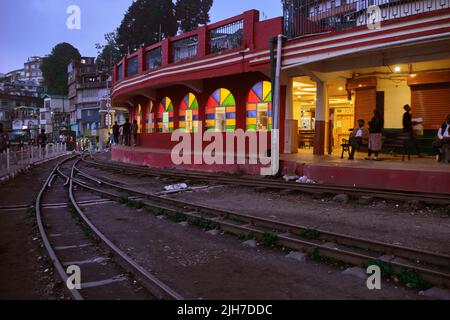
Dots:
pixel 417 174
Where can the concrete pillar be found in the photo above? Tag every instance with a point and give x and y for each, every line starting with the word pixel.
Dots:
pixel 321 106
pixel 291 125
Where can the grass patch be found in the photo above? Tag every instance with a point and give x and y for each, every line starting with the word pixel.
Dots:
pixel 158 211
pixel 268 239
pixel 202 223
pixel 177 217
pixel 315 255
pixel 411 278
pixel 386 268
pixel 247 236
pixel 137 204
pixel 31 212
pixel 311 234
pixel 123 200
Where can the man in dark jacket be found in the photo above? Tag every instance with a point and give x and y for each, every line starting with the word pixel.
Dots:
pixel 408 127
pixel 127 132
pixel 116 132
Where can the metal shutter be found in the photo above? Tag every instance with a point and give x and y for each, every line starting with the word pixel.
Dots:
pixel 365 104
pixel 432 103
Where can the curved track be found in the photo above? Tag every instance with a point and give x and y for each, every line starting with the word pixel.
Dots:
pixel 431 198
pixel 433 267
pixel 71 239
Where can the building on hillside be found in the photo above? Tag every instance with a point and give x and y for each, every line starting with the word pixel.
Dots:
pixel 33 71
pixel 55 116
pixel 88 90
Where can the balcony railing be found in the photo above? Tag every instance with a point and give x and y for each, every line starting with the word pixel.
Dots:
pixel 119 72
pixel 242 31
pixel 227 37
pixel 132 66
pixel 184 49
pixel 305 17
pixel 153 58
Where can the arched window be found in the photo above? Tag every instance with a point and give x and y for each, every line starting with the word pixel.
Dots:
pixel 139 118
pixel 259 107
pixel 221 111
pixel 189 114
pixel 151 118
pixel 165 116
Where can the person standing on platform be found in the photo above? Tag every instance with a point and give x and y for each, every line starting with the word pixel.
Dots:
pixel 127 132
pixel 121 135
pixel 116 133
pixel 441 145
pixel 134 131
pixel 3 145
pixel 358 138
pixel 408 127
pixel 42 139
pixel 376 135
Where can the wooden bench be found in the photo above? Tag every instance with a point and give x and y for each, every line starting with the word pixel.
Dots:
pixel 390 141
pixel 397 140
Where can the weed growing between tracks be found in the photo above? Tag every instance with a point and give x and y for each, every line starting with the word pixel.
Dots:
pixel 202 223
pixel 247 236
pixel 268 239
pixel 84 230
pixel 411 278
pixel 315 255
pixel 386 268
pixel 138 204
pixel 311 234
pixel 31 212
pixel 177 217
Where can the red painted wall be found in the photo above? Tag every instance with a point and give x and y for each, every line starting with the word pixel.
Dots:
pixel 239 85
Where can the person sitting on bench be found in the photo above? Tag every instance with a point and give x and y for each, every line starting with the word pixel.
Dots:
pixel 358 138
pixel 441 145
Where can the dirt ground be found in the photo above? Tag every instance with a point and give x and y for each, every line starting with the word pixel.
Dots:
pixel 202 266
pixel 388 221
pixel 24 270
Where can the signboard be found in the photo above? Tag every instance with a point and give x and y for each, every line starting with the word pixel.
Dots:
pixel 108 120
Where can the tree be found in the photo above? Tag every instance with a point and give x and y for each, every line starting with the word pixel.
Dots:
pixel 146 22
pixel 54 68
pixel 108 54
pixel 192 13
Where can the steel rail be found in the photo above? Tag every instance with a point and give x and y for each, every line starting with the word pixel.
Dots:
pixel 432 198
pixel 151 283
pixel 260 226
pixel 55 261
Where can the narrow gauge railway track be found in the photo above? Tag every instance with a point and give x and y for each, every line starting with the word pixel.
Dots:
pixel 433 267
pixel 431 198
pixel 105 269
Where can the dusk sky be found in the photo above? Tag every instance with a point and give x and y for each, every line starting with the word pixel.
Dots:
pixel 33 27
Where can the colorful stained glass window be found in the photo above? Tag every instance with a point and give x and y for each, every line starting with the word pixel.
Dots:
pixel 259 107
pixel 165 116
pixel 221 111
pixel 150 118
pixel 189 114
pixel 139 119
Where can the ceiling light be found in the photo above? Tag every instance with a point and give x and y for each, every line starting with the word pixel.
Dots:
pixel 397 69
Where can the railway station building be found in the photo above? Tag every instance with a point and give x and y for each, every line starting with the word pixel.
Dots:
pixel 340 60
